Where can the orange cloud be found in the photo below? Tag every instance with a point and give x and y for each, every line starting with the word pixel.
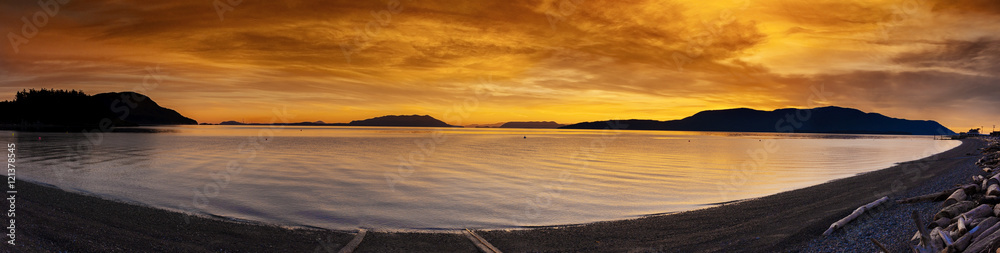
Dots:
pixel 562 60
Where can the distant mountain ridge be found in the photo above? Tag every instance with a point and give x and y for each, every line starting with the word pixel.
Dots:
pixel 830 119
pixel 60 108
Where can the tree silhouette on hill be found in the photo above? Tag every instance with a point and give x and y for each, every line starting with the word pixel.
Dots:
pixel 56 107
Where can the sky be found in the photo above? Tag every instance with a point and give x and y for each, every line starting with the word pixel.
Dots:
pixel 481 62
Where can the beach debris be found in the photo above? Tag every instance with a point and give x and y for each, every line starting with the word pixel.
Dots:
pixel 961 228
pixel 941 222
pixel 993 190
pixel 924 238
pixel 984 242
pixel 353 244
pixel 958 195
pixel 980 212
pixel 854 215
pixel 993 180
pixel 879 245
pixel 480 243
pixel 945 237
pixel 988 231
pixel 970 219
pixel 990 200
pixel 962 242
pixel 986 224
pixel 938 196
pixel 955 209
pixel 971 188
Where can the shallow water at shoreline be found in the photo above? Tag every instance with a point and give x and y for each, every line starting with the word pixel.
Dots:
pixel 439 178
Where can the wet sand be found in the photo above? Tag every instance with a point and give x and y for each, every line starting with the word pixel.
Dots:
pixel 50 220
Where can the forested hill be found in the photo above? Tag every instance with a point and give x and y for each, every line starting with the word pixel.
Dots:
pixel 76 109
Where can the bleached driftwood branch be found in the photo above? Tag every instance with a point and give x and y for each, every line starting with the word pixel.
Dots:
pixel 854 215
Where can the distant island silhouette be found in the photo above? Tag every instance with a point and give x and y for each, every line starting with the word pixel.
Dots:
pixel 316 123
pixel 62 110
pixel 492 125
pixel 830 119
pixel 401 120
pixel 531 124
pixel 386 121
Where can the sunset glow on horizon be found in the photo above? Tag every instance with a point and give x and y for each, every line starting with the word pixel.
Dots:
pixel 552 60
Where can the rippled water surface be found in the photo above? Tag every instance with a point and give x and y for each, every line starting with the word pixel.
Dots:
pixel 443 178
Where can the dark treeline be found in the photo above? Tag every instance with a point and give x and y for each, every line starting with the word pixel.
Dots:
pixel 54 107
pixel 73 108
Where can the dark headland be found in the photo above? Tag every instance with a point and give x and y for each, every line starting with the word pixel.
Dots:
pixel 67 110
pixel 830 119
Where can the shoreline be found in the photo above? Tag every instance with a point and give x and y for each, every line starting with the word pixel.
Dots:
pixel 784 221
pixel 56 220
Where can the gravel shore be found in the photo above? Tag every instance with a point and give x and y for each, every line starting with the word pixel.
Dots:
pixel 52 220
pixel 891 224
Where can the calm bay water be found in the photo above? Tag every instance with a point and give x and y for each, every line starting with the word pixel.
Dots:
pixel 445 178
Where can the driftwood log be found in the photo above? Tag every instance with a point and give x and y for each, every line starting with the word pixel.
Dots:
pixel 976 188
pixel 981 211
pixel 977 221
pixel 989 200
pixel 970 189
pixel 978 230
pixel 986 224
pixel 879 245
pixel 952 227
pixel 936 241
pixel 955 209
pixel 941 222
pixel 962 242
pixel 986 232
pixel 995 179
pixel 958 195
pixel 960 226
pixel 937 196
pixel 353 244
pixel 480 243
pixel 926 242
pixel 984 240
pixel 945 237
pixel 854 215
